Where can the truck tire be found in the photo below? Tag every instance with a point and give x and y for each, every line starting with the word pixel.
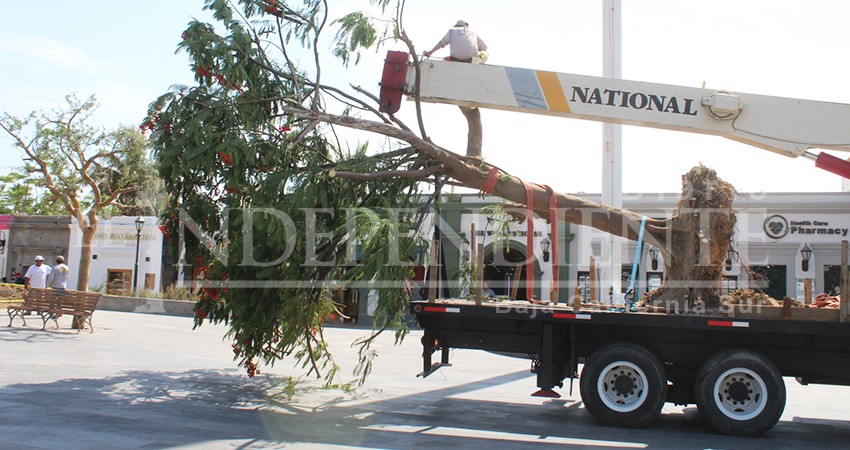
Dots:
pixel 739 393
pixel 623 385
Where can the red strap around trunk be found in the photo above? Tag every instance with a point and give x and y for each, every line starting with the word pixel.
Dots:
pixel 553 221
pixel 529 242
pixel 490 182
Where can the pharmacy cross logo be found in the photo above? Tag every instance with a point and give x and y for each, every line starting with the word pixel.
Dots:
pixel 776 226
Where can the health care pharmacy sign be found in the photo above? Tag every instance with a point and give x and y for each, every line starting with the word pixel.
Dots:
pixel 820 228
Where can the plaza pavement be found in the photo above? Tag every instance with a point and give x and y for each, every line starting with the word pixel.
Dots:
pixel 149 381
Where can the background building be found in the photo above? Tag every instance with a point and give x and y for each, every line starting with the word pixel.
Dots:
pixel 4 249
pixel 781 239
pixel 113 254
pixel 30 236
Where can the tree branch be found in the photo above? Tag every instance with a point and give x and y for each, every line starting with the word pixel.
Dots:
pixel 573 209
pixel 114 195
pixel 421 173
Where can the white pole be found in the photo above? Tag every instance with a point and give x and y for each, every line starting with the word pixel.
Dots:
pixel 612 153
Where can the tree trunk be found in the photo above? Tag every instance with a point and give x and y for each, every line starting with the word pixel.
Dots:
pixel 84 267
pixel 693 241
pixel 472 172
pixel 475 135
pixel 85 256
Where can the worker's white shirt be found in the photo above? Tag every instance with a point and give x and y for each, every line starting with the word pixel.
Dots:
pixel 38 275
pixel 464 43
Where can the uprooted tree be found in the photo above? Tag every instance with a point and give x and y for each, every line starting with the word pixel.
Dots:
pixel 274 205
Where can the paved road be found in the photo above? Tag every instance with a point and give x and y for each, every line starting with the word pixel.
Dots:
pixel 145 381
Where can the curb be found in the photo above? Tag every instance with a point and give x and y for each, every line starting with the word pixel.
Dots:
pixel 147 306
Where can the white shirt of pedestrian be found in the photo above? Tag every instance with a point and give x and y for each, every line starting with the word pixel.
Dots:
pixel 38 275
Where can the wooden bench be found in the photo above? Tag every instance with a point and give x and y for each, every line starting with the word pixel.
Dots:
pixel 51 304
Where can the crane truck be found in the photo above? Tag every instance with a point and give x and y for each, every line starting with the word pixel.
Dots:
pixel 732 368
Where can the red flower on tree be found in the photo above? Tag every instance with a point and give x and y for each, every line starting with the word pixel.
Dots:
pixel 272 8
pixel 231 190
pixel 251 368
pixel 164 230
pixel 225 157
pixel 148 125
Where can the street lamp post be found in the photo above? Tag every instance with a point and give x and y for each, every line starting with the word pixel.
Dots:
pixel 730 256
pixel 544 245
pixel 653 256
pixel 806 253
pixel 140 222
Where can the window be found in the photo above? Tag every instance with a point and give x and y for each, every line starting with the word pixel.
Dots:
pixel 118 281
pixel 584 286
pixel 625 278
pixel 654 280
pixel 729 284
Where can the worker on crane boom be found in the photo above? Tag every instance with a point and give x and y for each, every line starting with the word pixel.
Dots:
pixel 465 46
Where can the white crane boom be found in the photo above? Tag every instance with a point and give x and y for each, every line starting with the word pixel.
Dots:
pixel 787 126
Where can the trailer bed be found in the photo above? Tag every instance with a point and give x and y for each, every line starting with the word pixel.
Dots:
pixel 558 339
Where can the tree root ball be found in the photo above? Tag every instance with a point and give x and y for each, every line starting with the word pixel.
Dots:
pixel 700 230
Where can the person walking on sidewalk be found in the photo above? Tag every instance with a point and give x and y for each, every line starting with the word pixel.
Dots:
pixel 58 278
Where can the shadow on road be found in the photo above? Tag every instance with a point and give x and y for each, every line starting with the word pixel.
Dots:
pixel 161 409
pixel 26 333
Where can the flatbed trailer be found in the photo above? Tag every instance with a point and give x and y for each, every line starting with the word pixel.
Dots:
pixel 634 362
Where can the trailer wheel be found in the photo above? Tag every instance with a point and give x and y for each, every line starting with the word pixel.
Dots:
pixel 740 393
pixel 623 385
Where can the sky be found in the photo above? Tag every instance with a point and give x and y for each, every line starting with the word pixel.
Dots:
pixel 124 53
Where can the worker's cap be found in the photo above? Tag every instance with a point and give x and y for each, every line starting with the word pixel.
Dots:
pixel 39 258
pixel 461 23
pixel 60 259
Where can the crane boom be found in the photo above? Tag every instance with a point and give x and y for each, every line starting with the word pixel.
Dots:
pixel 787 126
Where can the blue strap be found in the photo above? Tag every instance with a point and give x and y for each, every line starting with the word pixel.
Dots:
pixel 638 251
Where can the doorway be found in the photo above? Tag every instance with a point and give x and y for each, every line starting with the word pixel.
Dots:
pixel 771 279
pixel 831 279
pixel 501 272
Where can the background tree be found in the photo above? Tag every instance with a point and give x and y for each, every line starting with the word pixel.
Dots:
pixel 77 164
pixel 21 195
pixel 133 167
pixel 259 131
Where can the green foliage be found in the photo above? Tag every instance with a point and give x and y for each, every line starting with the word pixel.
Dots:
pixel 132 167
pixel 21 195
pixel 356 32
pixel 500 220
pixel 255 191
pixel 70 166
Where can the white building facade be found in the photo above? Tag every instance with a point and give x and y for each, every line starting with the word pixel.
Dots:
pixel 114 255
pixel 775 232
